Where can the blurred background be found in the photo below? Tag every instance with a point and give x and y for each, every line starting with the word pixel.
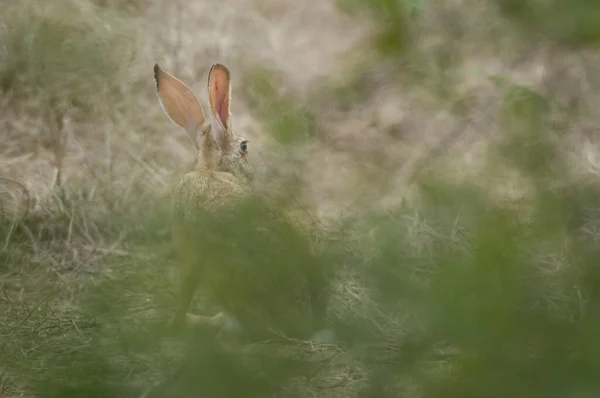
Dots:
pixel 447 150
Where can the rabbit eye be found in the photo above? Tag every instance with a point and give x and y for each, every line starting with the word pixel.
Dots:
pixel 244 145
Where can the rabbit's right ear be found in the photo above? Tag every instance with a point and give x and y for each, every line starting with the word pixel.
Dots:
pixel 219 100
pixel 179 103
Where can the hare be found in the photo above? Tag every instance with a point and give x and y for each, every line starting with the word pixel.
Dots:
pixel 218 181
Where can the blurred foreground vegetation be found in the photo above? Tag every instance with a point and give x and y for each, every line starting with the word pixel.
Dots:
pixel 455 294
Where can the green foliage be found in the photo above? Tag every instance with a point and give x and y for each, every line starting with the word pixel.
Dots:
pixel 228 372
pixel 570 22
pixel 288 120
pixel 269 275
pixel 512 290
pixel 392 37
pixel 524 116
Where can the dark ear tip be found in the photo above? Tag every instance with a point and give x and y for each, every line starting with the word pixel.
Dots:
pixel 222 67
pixel 156 71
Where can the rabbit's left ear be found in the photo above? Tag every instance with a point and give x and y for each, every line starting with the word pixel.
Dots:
pixel 179 103
pixel 219 99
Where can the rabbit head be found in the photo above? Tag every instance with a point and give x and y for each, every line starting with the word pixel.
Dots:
pixel 219 149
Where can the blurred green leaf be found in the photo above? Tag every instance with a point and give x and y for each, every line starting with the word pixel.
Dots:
pixel 571 22
pixel 287 119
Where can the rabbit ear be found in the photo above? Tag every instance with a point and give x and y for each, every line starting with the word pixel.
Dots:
pixel 219 99
pixel 179 103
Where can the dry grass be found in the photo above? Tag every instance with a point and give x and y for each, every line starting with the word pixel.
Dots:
pixel 87 160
